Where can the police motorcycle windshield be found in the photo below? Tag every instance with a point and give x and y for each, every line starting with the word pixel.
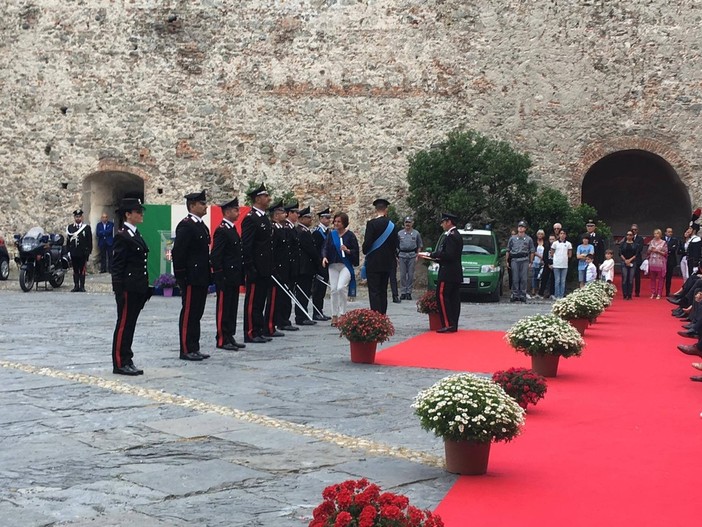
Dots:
pixel 32 240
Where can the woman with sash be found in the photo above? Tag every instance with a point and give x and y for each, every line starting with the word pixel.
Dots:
pixel 340 253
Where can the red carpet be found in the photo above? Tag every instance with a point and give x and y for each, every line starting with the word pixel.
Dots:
pixel 616 442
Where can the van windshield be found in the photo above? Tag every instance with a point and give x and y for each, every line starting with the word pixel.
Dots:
pixel 478 244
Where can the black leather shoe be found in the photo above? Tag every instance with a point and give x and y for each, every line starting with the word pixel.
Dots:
pixel 409 297
pixel 449 329
pixel 689 334
pixel 228 347
pixel 696 378
pixel 689 326
pixel 682 314
pixel 266 338
pixel 673 300
pixel 75 290
pixel 256 340
pixel 290 328
pixel 306 323
pixel 203 355
pixel 125 370
pixel 238 344
pixel 191 356
pixel 396 300
pixel 690 350
pixel 275 334
pixel 318 318
pixel 137 370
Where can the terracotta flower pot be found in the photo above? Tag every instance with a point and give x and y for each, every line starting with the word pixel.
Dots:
pixel 363 352
pixel 466 457
pixel 580 324
pixel 434 321
pixel 546 365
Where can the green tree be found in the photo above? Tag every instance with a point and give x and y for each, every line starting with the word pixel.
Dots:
pixel 482 180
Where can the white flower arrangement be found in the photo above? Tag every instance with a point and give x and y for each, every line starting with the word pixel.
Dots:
pixel 579 304
pixel 604 289
pixel 545 335
pixel 467 407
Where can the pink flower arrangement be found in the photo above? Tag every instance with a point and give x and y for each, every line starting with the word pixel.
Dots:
pixel 365 325
pixel 359 503
pixel 523 385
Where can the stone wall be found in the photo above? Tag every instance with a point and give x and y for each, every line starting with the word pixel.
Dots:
pixel 329 98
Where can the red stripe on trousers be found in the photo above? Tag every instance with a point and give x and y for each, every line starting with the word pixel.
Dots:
pixel 442 302
pixel 220 312
pixel 186 316
pixel 249 311
pixel 120 332
pixel 271 326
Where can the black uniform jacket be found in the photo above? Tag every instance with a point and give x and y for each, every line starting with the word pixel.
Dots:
pixel 319 241
pixel 448 254
pixel 257 245
pixel 191 252
pixel 383 258
pixel 129 262
pixel 81 244
pixel 281 253
pixel 673 250
pixel 226 257
pixel 310 263
pixel 293 248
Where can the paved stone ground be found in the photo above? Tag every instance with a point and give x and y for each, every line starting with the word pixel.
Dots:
pixel 242 439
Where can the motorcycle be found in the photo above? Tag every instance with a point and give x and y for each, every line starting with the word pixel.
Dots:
pixel 42 258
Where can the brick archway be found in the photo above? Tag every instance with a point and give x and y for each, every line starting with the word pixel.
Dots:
pixel 634 180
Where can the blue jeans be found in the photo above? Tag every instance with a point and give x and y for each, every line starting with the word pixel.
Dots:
pixel 559 281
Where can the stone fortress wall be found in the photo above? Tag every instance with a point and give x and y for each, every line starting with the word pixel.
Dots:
pixel 328 98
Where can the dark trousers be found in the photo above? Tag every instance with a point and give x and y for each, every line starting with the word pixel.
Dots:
pixel 628 275
pixel 393 281
pixel 304 282
pixel 194 298
pixel 637 278
pixel 546 281
pixel 378 291
pixel 129 305
pixel 448 295
pixel 276 303
pixel 286 302
pixel 105 259
pixel 79 263
pixel 254 302
pixel 668 278
pixel 318 292
pixel 227 310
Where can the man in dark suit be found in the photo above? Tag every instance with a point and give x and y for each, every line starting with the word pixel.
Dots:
pixel 639 244
pixel 380 248
pixel 130 283
pixel 80 245
pixel 105 238
pixel 450 277
pixel 228 268
pixel 257 248
pixel 319 288
pixel 596 240
pixel 310 264
pixel 672 262
pixel 278 301
pixel 191 266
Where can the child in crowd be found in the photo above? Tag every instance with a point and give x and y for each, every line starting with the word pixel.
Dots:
pixel 581 253
pixel 590 269
pixel 607 267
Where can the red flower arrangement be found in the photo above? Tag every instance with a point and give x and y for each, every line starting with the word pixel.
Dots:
pixel 428 303
pixel 523 385
pixel 365 325
pixel 359 503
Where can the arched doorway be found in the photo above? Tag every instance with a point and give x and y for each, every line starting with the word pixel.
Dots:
pixel 636 186
pixel 103 190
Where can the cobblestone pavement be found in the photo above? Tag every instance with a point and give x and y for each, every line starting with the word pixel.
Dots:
pixel 242 439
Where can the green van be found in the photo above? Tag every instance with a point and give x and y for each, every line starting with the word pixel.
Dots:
pixel 482 269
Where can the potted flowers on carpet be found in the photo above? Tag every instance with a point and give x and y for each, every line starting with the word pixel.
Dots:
pixel 359 503
pixel 165 283
pixel 578 308
pixel 545 338
pixel 522 384
pixel 429 304
pixel 469 412
pixel 364 329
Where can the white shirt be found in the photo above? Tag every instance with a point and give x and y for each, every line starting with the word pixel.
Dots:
pixel 590 273
pixel 607 269
pixel 560 254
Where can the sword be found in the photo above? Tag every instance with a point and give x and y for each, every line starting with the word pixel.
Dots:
pixel 290 295
pixel 320 279
pixel 309 300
